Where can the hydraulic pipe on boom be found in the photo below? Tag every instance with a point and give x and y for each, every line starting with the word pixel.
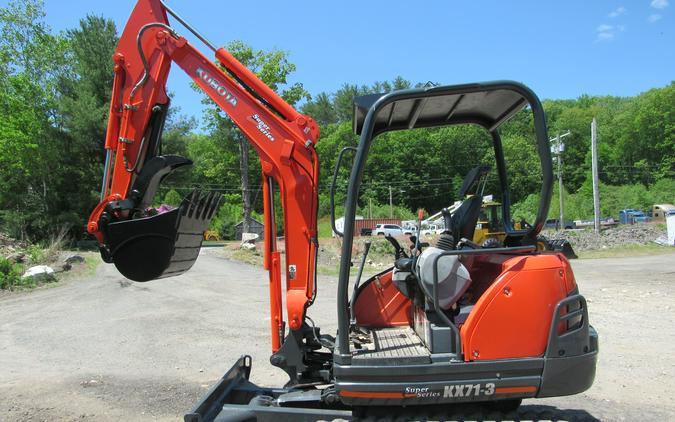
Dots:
pixel 284 139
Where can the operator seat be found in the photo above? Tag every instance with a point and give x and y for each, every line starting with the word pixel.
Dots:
pixel 464 220
pixel 462 223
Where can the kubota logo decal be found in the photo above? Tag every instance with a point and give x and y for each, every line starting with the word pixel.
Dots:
pixel 217 86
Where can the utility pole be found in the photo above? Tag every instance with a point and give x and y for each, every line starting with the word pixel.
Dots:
pixel 391 204
pixel 561 188
pixel 245 186
pixel 594 160
pixel 558 150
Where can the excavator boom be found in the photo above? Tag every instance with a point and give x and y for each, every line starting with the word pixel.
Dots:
pixel 145 243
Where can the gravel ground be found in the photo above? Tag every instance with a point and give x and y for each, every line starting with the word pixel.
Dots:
pixel 617 236
pixel 105 349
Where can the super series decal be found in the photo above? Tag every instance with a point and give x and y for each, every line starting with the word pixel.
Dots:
pixel 262 127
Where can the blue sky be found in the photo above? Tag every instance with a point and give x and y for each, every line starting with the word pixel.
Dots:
pixel 561 49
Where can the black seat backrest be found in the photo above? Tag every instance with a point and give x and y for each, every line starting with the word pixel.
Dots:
pixel 464 220
pixel 462 223
pixel 472 180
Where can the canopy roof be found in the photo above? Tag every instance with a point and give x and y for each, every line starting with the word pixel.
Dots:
pixel 486 104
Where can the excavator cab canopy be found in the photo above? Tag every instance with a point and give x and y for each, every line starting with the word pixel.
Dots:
pixel 470 103
pixel 489 104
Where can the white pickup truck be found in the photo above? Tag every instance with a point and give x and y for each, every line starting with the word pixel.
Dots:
pixel 390 229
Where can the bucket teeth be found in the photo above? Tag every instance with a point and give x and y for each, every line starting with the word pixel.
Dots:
pixel 197 210
pixel 213 207
pixel 206 211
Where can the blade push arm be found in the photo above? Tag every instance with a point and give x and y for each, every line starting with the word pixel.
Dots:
pixel 283 138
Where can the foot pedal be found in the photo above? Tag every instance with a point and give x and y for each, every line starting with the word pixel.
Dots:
pixel 162 245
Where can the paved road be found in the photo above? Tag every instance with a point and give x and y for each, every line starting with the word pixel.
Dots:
pixel 105 349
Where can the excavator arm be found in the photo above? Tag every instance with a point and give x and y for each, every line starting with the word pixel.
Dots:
pixel 145 243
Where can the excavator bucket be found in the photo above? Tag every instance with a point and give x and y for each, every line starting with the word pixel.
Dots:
pixel 163 245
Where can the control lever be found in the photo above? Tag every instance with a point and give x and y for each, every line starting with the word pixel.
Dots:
pixel 469 243
pixel 417 245
pixel 447 219
pixel 400 253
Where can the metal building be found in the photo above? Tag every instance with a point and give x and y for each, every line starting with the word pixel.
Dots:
pixel 255 226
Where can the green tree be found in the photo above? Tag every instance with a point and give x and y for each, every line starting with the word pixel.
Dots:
pixel 321 109
pixel 179 131
pixel 32 61
pixel 273 68
pixel 85 93
pixel 84 101
pixel 338 107
pixel 649 138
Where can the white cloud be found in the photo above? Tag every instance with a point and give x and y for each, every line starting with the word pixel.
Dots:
pixel 659 4
pixel 653 18
pixel 617 12
pixel 605 32
pixel 605 36
pixel 621 28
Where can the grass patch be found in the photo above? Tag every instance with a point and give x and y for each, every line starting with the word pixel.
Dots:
pixel 249 257
pixel 85 270
pixel 10 274
pixel 334 271
pixel 626 251
pixel 92 263
pixel 324 228
pixel 213 243
pixel 252 257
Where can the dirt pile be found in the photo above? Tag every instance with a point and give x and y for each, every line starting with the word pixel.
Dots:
pixel 9 246
pixel 587 239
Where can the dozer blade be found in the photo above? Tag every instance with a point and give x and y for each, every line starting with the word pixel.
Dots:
pixel 163 245
pixel 234 398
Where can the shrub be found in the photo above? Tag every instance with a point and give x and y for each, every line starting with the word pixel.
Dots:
pixel 381 247
pixel 57 242
pixel 35 254
pixel 172 198
pixel 225 220
pixel 10 274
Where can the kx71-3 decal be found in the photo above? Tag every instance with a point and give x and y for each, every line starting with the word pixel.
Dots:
pixel 452 391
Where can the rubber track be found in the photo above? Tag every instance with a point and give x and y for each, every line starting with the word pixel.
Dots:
pixel 473 413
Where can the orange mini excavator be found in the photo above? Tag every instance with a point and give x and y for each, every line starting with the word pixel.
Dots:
pixel 446 324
